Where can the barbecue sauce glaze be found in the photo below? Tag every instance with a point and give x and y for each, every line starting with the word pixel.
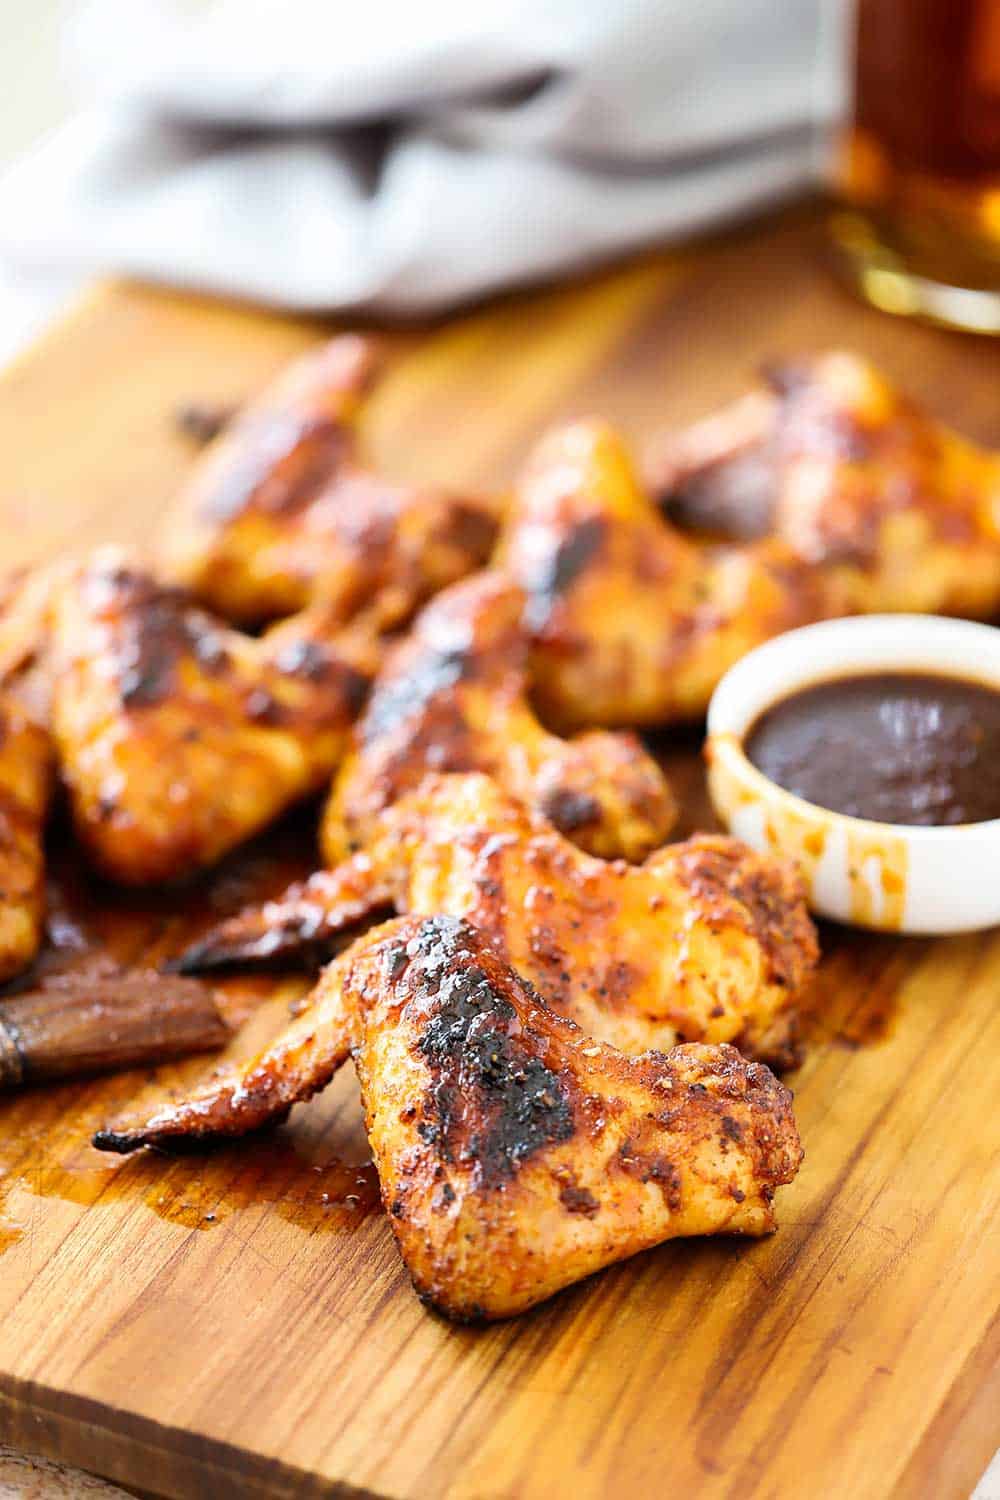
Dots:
pixel 895 747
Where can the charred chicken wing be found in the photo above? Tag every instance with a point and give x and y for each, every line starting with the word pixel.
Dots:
pixel 869 505
pixel 282 510
pixel 633 622
pixel 179 737
pixel 516 1155
pixel 452 697
pixel 903 513
pixel 706 941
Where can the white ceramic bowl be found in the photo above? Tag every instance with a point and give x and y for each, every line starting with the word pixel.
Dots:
pixel 880 875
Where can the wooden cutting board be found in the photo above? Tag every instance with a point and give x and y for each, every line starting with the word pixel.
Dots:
pixel 240 1324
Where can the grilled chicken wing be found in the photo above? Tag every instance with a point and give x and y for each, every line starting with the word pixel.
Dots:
pixel 633 622
pixel 871 507
pixel 515 1154
pixel 452 697
pixel 282 511
pixel 855 478
pixel 25 786
pixel 706 941
pixel 179 737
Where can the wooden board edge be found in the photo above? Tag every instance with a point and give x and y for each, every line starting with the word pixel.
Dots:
pixel 78 307
pixel 147 1455
pixel 90 302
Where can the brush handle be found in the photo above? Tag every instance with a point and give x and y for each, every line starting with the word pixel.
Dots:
pixel 78 1024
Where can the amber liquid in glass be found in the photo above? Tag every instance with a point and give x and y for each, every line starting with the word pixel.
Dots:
pixel 918 173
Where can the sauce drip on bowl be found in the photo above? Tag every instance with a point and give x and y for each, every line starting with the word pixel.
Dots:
pixel 895 747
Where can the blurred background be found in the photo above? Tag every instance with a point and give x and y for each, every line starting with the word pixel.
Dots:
pixel 400 161
pixel 35 102
pixel 389 160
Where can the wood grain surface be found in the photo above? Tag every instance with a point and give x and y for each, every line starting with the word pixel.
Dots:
pixel 240 1323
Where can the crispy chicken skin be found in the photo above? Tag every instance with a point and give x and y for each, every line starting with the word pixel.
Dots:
pixel 452 697
pixel 633 622
pixel 706 941
pixel 179 737
pixel 515 1154
pixel 903 513
pixel 282 509
pixel 26 775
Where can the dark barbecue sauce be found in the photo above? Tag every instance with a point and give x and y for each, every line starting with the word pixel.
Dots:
pixel 905 747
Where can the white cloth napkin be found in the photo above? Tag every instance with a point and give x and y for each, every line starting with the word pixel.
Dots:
pixel 401 157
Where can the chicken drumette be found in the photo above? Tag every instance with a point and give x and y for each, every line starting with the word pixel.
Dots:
pixel 282 510
pixel 706 941
pixel 453 697
pixel 178 737
pixel 515 1154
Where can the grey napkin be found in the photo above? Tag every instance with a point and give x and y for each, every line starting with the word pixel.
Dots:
pixel 402 157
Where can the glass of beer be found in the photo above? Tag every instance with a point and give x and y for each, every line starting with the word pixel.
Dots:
pixel 918 170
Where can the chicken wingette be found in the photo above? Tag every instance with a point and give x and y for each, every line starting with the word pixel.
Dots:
pixel 515 1153
pixel 706 941
pixel 282 510
pixel 453 697
pixel 869 507
pixel 179 737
